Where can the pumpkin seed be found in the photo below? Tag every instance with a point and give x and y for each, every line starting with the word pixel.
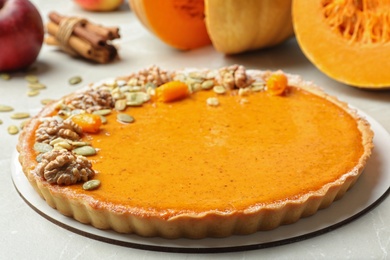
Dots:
pixel 219 89
pixel 31 78
pixel 137 98
pixel 36 86
pixel 64 145
pixel 75 80
pixel 33 93
pixel 212 101
pixel 194 87
pixel 86 150
pixel 79 143
pixel 103 119
pixel 120 104
pixel 244 91
pixel 91 185
pixel 150 85
pixel 20 115
pixel 77 111
pixel 59 148
pixel 208 84
pixel 42 147
pixel 1 122
pixel 39 157
pixel 111 83
pixel 132 82
pixel 46 101
pixel 5 76
pixel 258 86
pixel 196 75
pixel 121 83
pixel 4 108
pixel 13 130
pixel 134 88
pixel 117 95
pixel 125 118
pixel 102 112
pixel 23 123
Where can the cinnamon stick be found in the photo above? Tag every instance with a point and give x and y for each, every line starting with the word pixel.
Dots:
pixel 109 33
pixel 95 39
pixel 84 48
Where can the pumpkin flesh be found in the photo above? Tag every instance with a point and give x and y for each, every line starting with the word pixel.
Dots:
pixel 347 40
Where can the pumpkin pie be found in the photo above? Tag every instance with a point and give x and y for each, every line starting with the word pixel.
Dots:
pixel 194 153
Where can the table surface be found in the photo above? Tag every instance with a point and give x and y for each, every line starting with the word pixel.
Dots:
pixel 24 234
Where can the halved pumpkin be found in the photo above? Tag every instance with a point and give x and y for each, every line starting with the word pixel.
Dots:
pixel 348 40
pixel 237 26
pixel 179 23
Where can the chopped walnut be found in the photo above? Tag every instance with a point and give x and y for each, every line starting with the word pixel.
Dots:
pixel 152 74
pixel 64 168
pixel 51 129
pixel 234 76
pixel 91 100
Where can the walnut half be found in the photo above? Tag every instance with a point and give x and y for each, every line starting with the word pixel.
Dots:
pixel 64 168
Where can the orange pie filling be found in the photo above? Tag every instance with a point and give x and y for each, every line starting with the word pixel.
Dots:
pixel 252 154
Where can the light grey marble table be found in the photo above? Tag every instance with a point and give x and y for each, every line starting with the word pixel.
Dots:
pixel 24 234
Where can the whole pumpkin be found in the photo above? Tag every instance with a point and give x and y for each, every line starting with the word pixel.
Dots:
pixel 232 26
pixel 239 26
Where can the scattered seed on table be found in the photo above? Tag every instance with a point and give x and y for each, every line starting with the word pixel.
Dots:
pixel 33 93
pixel 13 130
pixel 5 76
pixel 75 80
pixel 1 122
pixel 125 118
pixel 23 123
pixel 5 108
pixel 36 86
pixel 46 101
pixel 20 115
pixel 91 185
pixel 31 78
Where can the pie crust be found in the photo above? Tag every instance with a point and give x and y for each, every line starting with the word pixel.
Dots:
pixel 238 204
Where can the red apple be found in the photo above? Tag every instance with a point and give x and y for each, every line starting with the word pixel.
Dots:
pixel 99 5
pixel 21 34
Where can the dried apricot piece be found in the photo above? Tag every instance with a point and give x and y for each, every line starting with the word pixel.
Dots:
pixel 89 123
pixel 172 91
pixel 277 84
